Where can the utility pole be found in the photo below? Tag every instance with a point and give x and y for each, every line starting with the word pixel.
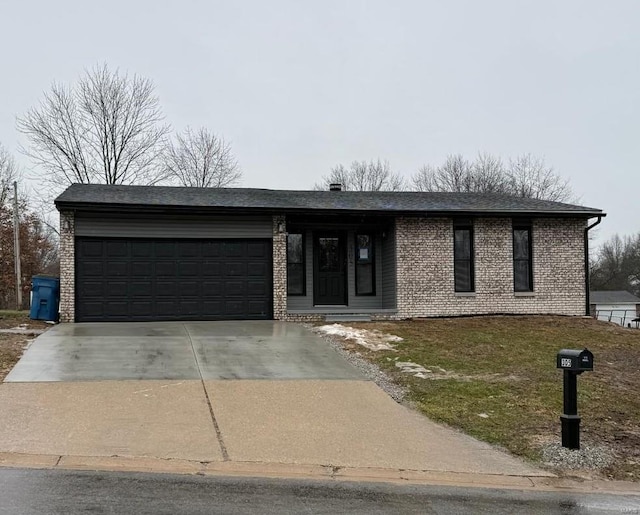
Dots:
pixel 16 246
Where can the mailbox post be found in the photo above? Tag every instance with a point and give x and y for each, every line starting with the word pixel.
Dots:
pixel 573 363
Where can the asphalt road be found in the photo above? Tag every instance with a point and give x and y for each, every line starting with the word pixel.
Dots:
pixel 70 492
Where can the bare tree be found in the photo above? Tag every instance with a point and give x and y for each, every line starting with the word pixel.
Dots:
pixel 617 266
pixel 456 174
pixel 530 177
pixel 525 176
pixel 105 129
pixel 8 173
pixel 363 176
pixel 201 159
pixel 488 174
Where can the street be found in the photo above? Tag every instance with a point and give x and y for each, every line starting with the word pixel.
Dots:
pixel 71 492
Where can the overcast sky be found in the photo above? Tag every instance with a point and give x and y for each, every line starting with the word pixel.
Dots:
pixel 298 87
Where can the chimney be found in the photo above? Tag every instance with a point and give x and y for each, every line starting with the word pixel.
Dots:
pixel 335 186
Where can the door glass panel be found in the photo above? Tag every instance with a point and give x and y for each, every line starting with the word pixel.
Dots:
pixel 328 259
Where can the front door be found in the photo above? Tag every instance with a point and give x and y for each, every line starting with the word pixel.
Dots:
pixel 330 269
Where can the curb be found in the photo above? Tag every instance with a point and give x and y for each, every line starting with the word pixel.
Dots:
pixel 317 472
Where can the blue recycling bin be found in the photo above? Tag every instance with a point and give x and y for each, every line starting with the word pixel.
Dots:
pixel 45 298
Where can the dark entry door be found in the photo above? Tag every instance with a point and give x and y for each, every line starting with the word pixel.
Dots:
pixel 330 269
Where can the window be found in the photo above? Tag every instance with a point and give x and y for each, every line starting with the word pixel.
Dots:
pixel 522 262
pixel 365 265
pixel 463 258
pixel 295 264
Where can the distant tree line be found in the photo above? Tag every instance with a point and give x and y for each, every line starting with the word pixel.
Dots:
pixel 38 244
pixel 524 176
pixel 617 265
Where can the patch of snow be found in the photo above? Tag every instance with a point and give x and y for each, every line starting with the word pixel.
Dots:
pixel 372 340
pixel 410 367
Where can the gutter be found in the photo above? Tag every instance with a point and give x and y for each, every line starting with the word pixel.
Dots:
pixel 586 264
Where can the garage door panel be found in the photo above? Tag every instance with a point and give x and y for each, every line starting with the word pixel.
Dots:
pixel 165 248
pixel 189 268
pixel 91 248
pixel 93 268
pixel 166 307
pixel 142 248
pixel 158 279
pixel 258 249
pixel 235 288
pixel 256 288
pixel 141 308
pixel 257 308
pixel 116 268
pixel 189 307
pixel 212 306
pixel 212 288
pixel 167 289
pixel 166 268
pixel 189 289
pixel 117 289
pixel 141 268
pixel 211 249
pixel 233 249
pixel 235 268
pixel 117 308
pixel 141 288
pixel 211 269
pixel 188 249
pixel 117 248
pixel 91 288
pixel 256 269
pixel 93 309
pixel 235 307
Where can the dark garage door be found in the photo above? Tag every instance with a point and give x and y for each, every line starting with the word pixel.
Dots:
pixel 121 279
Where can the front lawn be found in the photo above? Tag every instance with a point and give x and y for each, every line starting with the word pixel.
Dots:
pixel 13 345
pixel 496 379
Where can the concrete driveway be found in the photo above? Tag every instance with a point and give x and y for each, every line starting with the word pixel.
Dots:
pixel 219 394
pixel 179 350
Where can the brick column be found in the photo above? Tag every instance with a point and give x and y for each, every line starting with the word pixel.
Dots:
pixel 67 266
pixel 279 268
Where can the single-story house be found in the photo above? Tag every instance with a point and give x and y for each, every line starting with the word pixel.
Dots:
pixel 171 253
pixel 618 306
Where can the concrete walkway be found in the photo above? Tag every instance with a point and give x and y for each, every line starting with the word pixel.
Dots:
pixel 293 419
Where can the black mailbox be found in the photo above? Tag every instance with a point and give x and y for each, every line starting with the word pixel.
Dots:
pixel 575 360
pixel 573 363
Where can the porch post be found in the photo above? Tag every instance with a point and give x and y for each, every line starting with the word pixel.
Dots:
pixel 279 267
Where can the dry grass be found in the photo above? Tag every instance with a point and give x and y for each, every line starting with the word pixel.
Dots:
pixel 505 369
pixel 12 345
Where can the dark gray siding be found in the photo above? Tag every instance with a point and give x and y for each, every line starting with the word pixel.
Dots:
pixel 355 302
pixel 165 226
pixel 389 283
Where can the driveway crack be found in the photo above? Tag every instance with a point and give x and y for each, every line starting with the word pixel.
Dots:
pixel 216 427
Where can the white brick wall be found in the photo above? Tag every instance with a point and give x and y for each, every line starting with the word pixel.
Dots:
pixel 279 269
pixel 426 273
pixel 67 266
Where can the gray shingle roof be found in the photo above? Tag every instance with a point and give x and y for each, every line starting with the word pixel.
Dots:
pixel 613 297
pixel 101 196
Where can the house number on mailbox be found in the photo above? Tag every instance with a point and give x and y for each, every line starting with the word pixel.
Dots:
pixel 565 362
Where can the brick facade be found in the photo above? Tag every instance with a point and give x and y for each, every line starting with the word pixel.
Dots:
pixel 67 266
pixel 279 268
pixel 425 268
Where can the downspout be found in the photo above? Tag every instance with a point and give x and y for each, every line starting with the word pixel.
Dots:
pixel 586 264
